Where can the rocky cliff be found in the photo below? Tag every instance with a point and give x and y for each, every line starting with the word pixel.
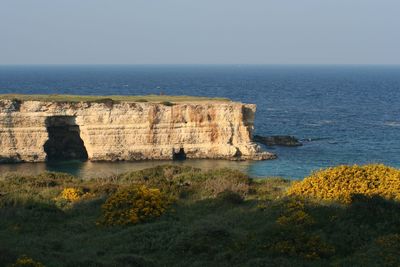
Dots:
pixel 35 131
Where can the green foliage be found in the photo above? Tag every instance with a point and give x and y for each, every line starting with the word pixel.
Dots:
pixel 108 101
pixel 141 100
pixel 268 189
pixel 383 251
pixel 297 241
pixel 230 197
pixel 167 103
pixel 216 219
pixel 206 239
pixel 101 99
pixel 188 182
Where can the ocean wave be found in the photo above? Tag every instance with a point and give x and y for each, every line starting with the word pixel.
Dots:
pixel 320 123
pixel 315 139
pixel 392 123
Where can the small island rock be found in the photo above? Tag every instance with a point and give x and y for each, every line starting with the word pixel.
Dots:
pixel 277 140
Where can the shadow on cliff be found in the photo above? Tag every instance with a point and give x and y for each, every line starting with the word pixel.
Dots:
pixel 65 142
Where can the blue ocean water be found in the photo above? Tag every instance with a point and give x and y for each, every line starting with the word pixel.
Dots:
pixel 351 114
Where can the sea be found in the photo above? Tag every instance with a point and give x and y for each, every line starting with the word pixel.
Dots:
pixel 345 114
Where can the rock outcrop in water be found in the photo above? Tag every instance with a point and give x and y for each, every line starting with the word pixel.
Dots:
pixel 277 140
pixel 36 131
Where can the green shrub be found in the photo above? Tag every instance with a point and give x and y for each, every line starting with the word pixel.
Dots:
pixel 268 189
pixel 303 245
pixel 221 180
pixel 206 237
pixel 167 103
pixel 293 238
pixel 141 100
pixel 107 101
pixel 383 251
pixel 230 197
pixel 209 226
pixel 6 255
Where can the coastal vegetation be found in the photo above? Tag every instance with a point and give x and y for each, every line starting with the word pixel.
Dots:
pixel 342 183
pixel 110 98
pixel 132 205
pixel 183 216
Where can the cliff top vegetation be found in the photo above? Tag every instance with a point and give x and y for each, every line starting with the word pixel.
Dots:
pixel 117 98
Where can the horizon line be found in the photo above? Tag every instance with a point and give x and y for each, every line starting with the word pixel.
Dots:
pixel 200 64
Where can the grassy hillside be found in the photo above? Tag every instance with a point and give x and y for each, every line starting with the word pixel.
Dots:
pixel 213 218
pixel 130 98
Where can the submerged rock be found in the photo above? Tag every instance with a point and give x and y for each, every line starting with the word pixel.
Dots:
pixel 277 140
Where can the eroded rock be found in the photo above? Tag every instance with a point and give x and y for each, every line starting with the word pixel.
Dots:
pixel 127 131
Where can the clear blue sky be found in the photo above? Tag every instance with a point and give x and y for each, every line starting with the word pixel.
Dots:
pixel 200 32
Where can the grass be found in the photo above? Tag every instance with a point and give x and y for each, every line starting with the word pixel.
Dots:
pixel 117 98
pixel 219 218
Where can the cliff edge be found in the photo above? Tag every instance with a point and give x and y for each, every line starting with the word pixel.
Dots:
pixel 37 130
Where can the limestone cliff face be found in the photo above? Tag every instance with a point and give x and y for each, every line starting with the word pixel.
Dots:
pixel 127 131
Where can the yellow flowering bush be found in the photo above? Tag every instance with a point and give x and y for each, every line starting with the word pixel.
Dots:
pixel 341 182
pixel 26 261
pixel 132 205
pixel 71 194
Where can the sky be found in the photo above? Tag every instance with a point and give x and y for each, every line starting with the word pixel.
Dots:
pixel 199 32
